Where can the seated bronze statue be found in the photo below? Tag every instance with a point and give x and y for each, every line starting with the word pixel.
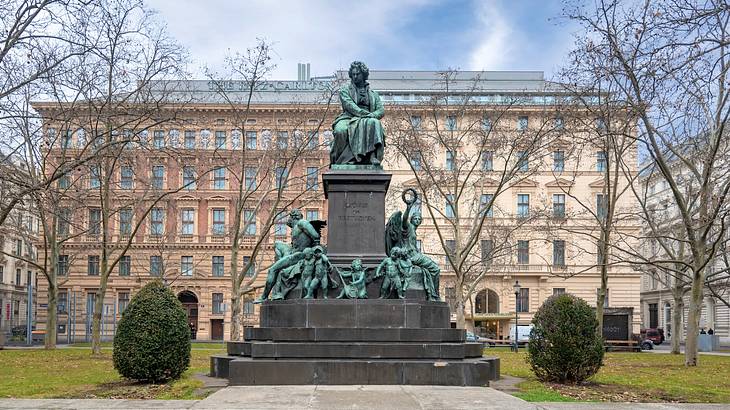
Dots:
pixel 359 136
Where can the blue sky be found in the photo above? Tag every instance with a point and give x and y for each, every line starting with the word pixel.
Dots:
pixel 386 34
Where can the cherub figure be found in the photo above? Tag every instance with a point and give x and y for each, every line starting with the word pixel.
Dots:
pixel 392 281
pixel 320 280
pixel 308 266
pixel 356 288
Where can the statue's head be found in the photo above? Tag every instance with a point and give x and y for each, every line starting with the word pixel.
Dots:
pixel 308 253
pixel 356 264
pixel 416 219
pixel 295 215
pixel 318 250
pixel 358 67
pixel 395 252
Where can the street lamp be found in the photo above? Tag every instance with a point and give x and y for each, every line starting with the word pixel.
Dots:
pixel 516 287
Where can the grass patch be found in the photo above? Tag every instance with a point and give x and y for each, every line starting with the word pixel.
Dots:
pixel 630 377
pixel 74 373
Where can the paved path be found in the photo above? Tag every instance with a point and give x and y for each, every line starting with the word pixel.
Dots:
pixel 345 397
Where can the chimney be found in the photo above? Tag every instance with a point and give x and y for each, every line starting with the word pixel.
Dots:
pixel 303 72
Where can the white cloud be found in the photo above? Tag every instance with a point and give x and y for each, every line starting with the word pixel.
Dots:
pixel 494 37
pixel 328 34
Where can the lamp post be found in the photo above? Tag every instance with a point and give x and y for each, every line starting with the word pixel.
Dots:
pixel 516 287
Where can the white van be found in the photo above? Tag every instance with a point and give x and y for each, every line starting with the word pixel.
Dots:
pixel 523 333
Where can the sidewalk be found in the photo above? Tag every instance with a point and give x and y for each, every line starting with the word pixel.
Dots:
pixel 346 397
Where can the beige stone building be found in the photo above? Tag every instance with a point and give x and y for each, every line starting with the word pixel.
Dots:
pixel 185 240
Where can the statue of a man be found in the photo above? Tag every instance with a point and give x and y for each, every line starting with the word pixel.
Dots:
pixel 303 235
pixel 359 135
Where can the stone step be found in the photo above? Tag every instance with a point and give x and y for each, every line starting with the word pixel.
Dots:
pixel 336 334
pixel 367 350
pixel 468 372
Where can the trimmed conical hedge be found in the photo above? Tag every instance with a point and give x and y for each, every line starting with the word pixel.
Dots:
pixel 152 342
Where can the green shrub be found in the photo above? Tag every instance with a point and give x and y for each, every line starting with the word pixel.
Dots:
pixel 152 342
pixel 564 346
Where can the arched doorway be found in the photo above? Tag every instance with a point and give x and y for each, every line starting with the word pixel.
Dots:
pixel 486 302
pixel 190 304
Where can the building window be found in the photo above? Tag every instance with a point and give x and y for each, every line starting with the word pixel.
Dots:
pixel 449 160
pixel 219 221
pixel 450 250
pixel 248 308
pixel 159 139
pixel 217 303
pixel 282 140
pixel 62 302
pixel 122 301
pixel 601 206
pixel 451 122
pixel 654 280
pixel 523 161
pixel 250 178
pixel 419 245
pixel 280 224
pixel 523 252
pixel 558 161
pixel 559 252
pixel 93 265
pixel 64 182
pixel 2 275
pixel 312 214
pixel 250 139
pixel 18 276
pixel 61 266
pixel 523 300
pixel 189 177
pixel 19 247
pixel 487 159
pixel 281 174
pixel 522 122
pixel 487 246
pixel 558 123
pixel 605 301
pixel 251 271
pixel 158 176
pixel 125 265
pixel 601 161
pixel 558 291
pixel 523 205
pixel 156 266
pixel 66 139
pixel 486 123
pixel 220 140
pixel 485 206
pixel 94 221
pixel 558 205
pixel 449 211
pixel 157 217
pixel 188 221
pixel 218 262
pixel 416 161
pixel 219 178
pixel 249 220
pixel 186 265
pixel 125 182
pixel 125 221
pixel 312 179
pixel 313 140
pixel 94 177
pixel 600 124
pixel 190 139
pixel 416 122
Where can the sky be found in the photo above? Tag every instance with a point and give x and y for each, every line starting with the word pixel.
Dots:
pixel 385 34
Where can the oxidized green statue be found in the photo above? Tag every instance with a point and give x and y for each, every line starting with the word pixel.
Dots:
pixel 400 231
pixel 359 135
pixel 320 280
pixel 356 288
pixel 393 280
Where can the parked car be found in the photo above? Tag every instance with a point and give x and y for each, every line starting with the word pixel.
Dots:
pixel 647 345
pixel 655 335
pixel 471 337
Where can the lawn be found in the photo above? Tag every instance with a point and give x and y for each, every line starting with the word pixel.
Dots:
pixel 630 377
pixel 74 373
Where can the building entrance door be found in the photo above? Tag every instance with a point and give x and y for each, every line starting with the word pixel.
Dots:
pixel 190 304
pixel 216 329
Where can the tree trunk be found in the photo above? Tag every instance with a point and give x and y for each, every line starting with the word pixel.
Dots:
pixel 98 310
pixel 677 310
pixel 460 314
pixel 235 294
pixel 52 317
pixel 691 357
pixel 601 300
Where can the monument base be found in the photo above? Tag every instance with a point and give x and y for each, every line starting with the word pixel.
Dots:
pixel 362 341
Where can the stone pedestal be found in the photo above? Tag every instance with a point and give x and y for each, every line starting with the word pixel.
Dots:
pixel 356 215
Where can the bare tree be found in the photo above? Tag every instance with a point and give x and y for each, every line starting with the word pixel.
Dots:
pixel 485 158
pixel 669 62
